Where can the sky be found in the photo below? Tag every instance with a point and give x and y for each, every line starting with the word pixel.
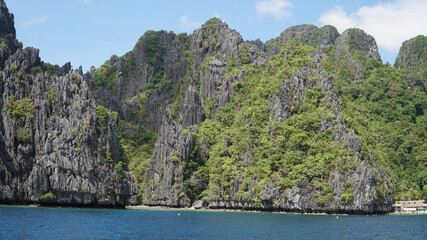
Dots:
pixel 88 32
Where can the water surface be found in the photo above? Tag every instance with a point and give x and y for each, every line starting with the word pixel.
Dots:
pixel 45 223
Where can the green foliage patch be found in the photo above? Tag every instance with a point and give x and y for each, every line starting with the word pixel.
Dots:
pixel 101 112
pixel 43 68
pixel 47 197
pixel 3 42
pixel 106 76
pixel 153 48
pixel 21 108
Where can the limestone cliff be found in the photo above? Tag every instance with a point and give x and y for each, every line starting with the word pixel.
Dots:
pixel 205 119
pixel 55 148
pixel 217 89
pixel 413 56
pixel 323 37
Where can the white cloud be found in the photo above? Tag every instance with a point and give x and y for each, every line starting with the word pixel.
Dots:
pixel 188 24
pixel 277 8
pixel 36 21
pixel 86 1
pixel 390 23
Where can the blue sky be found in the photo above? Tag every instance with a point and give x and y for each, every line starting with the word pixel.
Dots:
pixel 88 32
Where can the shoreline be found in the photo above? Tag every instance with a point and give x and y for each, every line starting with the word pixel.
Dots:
pixel 56 206
pixel 165 208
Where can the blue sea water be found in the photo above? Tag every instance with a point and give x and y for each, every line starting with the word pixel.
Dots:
pixel 45 223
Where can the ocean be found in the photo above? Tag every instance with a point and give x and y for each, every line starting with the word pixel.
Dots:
pixel 63 223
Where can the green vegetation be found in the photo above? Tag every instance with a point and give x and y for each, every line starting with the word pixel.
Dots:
pixel 312 38
pixel 47 197
pixel 381 109
pixel 289 153
pixel 107 158
pixel 3 42
pixel 21 108
pixel 136 145
pixel 391 118
pixel 416 58
pixel 346 197
pixel 101 112
pixel 387 116
pixel 52 95
pixel 154 54
pixel 152 47
pixel 14 68
pixel 43 68
pixel 106 76
pixel 23 134
pixel 213 24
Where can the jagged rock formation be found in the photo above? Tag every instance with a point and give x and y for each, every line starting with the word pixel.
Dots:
pixel 8 43
pixel 217 90
pixel 413 56
pixel 353 42
pixel 206 119
pixel 213 46
pixel 323 37
pixel 158 63
pixel 165 174
pixel 55 148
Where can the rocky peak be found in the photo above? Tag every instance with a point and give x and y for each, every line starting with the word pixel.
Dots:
pixel 8 43
pixel 151 46
pixel 412 55
pixel 6 21
pixel 357 39
pixel 257 43
pixel 216 37
pixel 311 34
pixel 351 44
pixel 24 59
pixel 323 37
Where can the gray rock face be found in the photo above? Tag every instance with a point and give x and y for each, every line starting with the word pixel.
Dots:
pixel 350 40
pixel 258 43
pixel 357 39
pixel 412 55
pixel 197 204
pixel 7 25
pixel 215 88
pixel 303 199
pixel 214 45
pixel 215 37
pixel 156 63
pixel 191 107
pixel 8 43
pixel 55 148
pixel 165 174
pixel 322 38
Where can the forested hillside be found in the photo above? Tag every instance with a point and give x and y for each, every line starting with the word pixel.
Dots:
pixel 307 120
